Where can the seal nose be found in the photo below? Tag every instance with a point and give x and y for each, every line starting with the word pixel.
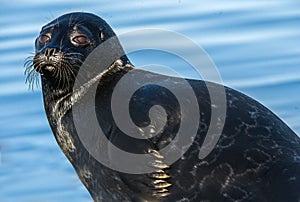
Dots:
pixel 50 51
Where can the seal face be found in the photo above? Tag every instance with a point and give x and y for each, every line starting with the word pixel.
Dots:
pixel 257 157
pixel 62 46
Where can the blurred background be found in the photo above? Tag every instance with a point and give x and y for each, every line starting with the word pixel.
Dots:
pixel 254 44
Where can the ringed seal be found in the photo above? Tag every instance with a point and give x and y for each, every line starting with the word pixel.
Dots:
pixel 257 157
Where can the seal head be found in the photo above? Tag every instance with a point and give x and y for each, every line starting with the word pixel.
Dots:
pixel 62 46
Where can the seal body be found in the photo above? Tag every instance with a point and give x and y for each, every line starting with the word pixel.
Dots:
pixel 257 157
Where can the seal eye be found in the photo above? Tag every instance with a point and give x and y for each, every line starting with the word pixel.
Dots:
pixel 43 39
pixel 80 40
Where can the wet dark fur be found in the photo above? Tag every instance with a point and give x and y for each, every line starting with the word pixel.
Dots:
pixel 256 159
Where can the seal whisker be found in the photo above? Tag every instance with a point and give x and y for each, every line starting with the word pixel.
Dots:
pixel 65 79
pixel 30 73
pixel 74 59
pixel 61 46
pixel 32 79
pixel 72 72
pixel 28 61
pixel 75 21
pixel 73 54
pixel 56 74
pixel 60 77
pixel 38 66
pixel 69 74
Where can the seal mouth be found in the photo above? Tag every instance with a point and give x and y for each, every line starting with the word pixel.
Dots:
pixel 46 69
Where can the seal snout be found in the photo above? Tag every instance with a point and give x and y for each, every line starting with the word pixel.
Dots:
pixel 57 66
pixel 47 61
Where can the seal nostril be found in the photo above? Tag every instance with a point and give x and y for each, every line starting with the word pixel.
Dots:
pixel 49 52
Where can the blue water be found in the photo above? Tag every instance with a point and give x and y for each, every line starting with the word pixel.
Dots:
pixel 254 44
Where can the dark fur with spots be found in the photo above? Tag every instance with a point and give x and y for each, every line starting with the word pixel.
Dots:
pixel 256 159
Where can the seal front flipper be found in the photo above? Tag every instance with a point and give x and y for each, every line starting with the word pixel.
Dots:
pixel 140 184
pixel 152 186
pixel 149 186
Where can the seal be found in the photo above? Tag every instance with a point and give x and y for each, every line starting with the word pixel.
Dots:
pixel 257 157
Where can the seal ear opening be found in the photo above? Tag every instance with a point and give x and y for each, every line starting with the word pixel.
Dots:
pixel 101 35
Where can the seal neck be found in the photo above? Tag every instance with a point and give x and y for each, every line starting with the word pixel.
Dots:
pixel 59 101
